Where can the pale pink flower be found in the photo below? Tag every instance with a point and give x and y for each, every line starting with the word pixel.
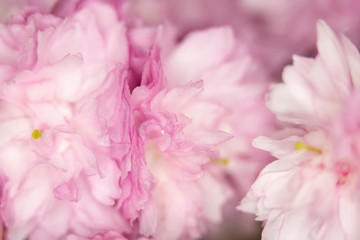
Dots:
pixel 184 120
pixel 231 101
pixel 317 90
pixel 311 191
pixel 70 154
pixel 175 158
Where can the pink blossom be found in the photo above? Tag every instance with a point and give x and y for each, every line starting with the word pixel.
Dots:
pixel 310 192
pixel 185 117
pixel 316 102
pixel 70 154
pixel 175 158
pixel 231 101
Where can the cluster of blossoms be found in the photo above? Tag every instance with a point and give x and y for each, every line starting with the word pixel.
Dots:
pixel 135 120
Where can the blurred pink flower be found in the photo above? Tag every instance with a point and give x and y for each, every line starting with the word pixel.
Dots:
pixel 267 27
pixel 186 15
pixel 273 35
pixel 311 191
pixel 71 158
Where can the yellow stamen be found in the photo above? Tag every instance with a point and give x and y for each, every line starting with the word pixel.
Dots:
pixel 36 134
pixel 300 145
pixel 223 161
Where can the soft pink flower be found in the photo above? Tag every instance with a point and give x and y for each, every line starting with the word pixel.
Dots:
pixel 70 154
pixel 184 119
pixel 316 90
pixel 311 192
pixel 174 157
pixel 232 101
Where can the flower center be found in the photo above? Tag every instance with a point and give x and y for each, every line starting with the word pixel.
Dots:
pixel 36 134
pixel 300 146
pixel 223 161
